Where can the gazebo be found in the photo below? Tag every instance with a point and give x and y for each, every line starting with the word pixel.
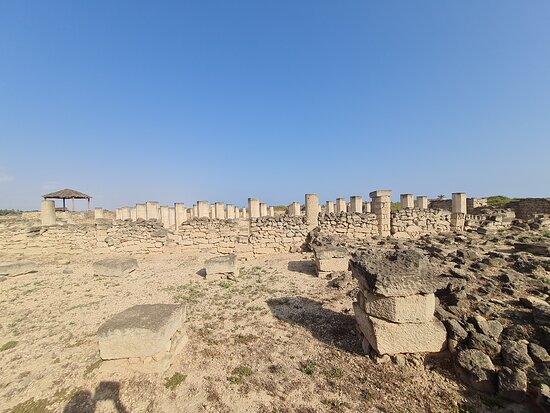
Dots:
pixel 65 194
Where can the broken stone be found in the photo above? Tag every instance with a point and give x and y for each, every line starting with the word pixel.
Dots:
pixel 484 343
pixel 533 248
pixel 455 330
pixel 512 384
pixel 331 259
pixel 538 353
pixel 391 338
pixel 475 368
pixel 416 308
pixel 140 331
pixel 115 267
pixel 515 355
pixel 15 268
pixel 225 264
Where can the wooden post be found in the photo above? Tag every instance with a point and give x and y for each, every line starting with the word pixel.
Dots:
pixel 64 207
pixel 88 204
pixel 73 204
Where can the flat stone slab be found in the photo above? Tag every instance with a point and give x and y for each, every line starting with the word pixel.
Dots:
pixel 394 273
pixel 418 308
pixel 115 267
pixel 540 248
pixel 224 264
pixel 140 331
pixel 392 338
pixel 15 268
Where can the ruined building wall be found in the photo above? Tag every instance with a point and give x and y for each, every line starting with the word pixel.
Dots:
pixel 270 235
pixel 411 223
pixel 529 207
pixel 131 236
pixel 351 225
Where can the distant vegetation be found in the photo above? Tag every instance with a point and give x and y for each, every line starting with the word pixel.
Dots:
pixel 498 201
pixel 10 212
pixel 279 208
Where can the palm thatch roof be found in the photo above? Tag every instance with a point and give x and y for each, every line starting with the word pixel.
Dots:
pixel 67 194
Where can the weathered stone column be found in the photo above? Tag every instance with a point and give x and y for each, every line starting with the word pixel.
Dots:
pixel 458 211
pixel 191 213
pixel 263 209
pixel 312 210
pixel 341 206
pixel 117 214
pixel 329 209
pixel 165 216
pixel 203 210
pixel 212 212
pixel 47 212
pixel 195 211
pixel 271 212
pixel 153 210
pixel 141 211
pixel 230 211
pixel 219 210
pixel 367 208
pixel 253 208
pixel 125 213
pixel 421 202
pixel 180 213
pixel 171 217
pixel 98 213
pixel 133 213
pixel 356 204
pixel 294 209
pixel 381 206
pixel 406 201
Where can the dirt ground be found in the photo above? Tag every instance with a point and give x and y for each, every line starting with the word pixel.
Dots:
pixel 276 339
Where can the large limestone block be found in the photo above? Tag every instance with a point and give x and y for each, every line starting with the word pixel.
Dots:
pixel 391 338
pixel 331 259
pixel 115 267
pixel 418 308
pixel 140 331
pixel 224 264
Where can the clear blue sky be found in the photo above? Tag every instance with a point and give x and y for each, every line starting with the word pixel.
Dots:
pixel 222 100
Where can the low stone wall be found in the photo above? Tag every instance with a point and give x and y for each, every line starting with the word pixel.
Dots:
pixel 216 235
pixel 529 207
pixel 21 236
pixel 351 225
pixel 411 223
pixel 131 236
pixel 270 235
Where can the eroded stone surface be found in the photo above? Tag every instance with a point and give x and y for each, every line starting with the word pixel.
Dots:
pixel 14 268
pixel 331 259
pixel 416 308
pixel 225 264
pixel 115 267
pixel 140 331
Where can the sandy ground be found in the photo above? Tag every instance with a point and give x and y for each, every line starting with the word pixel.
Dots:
pixel 277 339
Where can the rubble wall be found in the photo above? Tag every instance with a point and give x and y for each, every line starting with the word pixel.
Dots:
pixel 412 223
pixel 351 225
pixel 529 207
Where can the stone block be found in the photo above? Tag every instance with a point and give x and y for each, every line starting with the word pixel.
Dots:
pixel 140 331
pixel 224 264
pixel 115 267
pixel 331 259
pixel 392 338
pixel 418 308
pixel 15 268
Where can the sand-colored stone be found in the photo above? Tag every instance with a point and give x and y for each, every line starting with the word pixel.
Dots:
pixel 418 308
pixel 114 267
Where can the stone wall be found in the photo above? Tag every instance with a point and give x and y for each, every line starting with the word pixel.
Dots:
pixel 351 225
pixel 215 235
pixel 529 207
pixel 411 223
pixel 270 235
pixel 131 236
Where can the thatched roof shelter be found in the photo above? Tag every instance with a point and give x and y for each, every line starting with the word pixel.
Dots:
pixel 68 194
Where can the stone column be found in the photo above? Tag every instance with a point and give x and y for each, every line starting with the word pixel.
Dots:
pixel 406 201
pixel 329 209
pixel 263 209
pixel 219 211
pixel 191 213
pixel 47 212
pixel 271 212
pixel 458 211
pixel 230 211
pixel 165 216
pixel 253 208
pixel 125 213
pixel 421 202
pixel 356 204
pixel 381 206
pixel 195 211
pixel 294 209
pixel 117 213
pixel 141 211
pixel 203 210
pixel 153 210
pixel 341 205
pixel 133 213
pixel 212 212
pixel 312 210
pixel 98 213
pixel 180 214
pixel 172 217
pixel 367 208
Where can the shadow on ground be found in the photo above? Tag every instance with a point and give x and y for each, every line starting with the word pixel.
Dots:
pixel 84 402
pixel 330 327
pixel 304 267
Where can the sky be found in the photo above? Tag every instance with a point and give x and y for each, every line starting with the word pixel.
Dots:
pixel 178 101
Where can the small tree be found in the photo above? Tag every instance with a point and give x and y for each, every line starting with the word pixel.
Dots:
pixel 440 197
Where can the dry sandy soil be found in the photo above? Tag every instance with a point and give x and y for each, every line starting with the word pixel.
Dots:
pixel 277 339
